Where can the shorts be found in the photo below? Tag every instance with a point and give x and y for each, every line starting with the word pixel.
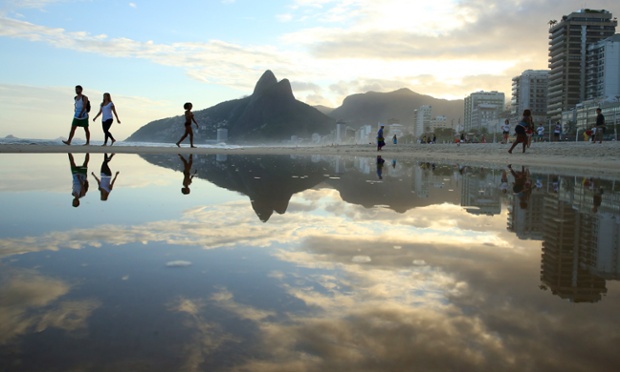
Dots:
pixel 504 132
pixel 80 122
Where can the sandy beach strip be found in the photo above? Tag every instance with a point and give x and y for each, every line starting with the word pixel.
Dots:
pixel 598 158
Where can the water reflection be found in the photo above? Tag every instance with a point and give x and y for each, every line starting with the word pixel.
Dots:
pixel 349 273
pixel 80 178
pixel 105 184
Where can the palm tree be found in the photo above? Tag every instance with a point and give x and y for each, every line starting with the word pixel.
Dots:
pixel 552 23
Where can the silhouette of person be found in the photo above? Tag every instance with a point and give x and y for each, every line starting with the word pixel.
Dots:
pixel 521 130
pixel 80 116
pixel 106 183
pixel 394 140
pixel 80 179
pixel 187 175
pixel 380 163
pixel 189 118
pixel 600 126
pixel 380 138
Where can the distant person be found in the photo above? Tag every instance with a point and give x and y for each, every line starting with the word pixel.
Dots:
pixel 505 131
pixel 434 139
pixel 557 131
pixel 380 138
pixel 107 109
pixel 187 175
pixel 520 130
pixel 106 183
pixel 189 118
pixel 600 126
pixel 380 163
pixel 540 133
pixel 80 179
pixel 394 140
pixel 80 115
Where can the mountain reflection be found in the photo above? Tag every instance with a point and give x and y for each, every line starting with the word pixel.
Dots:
pixel 576 218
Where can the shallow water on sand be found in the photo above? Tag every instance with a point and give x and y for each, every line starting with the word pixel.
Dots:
pixel 305 263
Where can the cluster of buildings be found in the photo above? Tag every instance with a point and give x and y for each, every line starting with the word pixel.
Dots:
pixel 583 74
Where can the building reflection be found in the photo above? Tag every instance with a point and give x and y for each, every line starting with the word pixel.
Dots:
pixel 581 246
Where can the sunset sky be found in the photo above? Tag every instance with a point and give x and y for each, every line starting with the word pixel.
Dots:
pixel 152 56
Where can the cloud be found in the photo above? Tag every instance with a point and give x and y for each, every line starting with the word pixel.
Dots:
pixel 133 5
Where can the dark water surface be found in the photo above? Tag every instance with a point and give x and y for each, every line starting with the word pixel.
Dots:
pixel 305 263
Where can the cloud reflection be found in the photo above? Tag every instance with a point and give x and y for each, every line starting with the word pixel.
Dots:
pixel 31 302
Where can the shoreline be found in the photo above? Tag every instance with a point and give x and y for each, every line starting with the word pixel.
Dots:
pixel 596 158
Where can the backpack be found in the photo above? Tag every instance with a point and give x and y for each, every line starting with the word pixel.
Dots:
pixel 87 103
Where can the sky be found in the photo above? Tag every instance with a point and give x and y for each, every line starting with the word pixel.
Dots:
pixel 153 56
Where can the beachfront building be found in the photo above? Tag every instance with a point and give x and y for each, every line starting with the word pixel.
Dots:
pixel 529 91
pixel 603 69
pixel 568 45
pixel 583 116
pixel 439 122
pixel 482 107
pixel 422 120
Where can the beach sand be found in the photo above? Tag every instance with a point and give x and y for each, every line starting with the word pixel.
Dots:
pixel 593 158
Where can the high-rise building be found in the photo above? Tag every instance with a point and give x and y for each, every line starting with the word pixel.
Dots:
pixel 422 120
pixel 603 69
pixel 480 107
pixel 529 91
pixel 568 44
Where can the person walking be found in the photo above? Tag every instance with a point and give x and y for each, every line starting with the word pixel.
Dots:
pixel 189 118
pixel 80 116
pixel 600 126
pixel 520 130
pixel 380 138
pixel 106 109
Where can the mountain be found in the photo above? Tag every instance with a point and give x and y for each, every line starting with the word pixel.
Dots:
pixel 271 113
pixel 373 107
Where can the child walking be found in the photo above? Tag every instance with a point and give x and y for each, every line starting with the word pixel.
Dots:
pixel 189 118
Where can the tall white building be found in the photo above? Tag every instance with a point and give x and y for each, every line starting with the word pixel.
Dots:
pixel 423 118
pixel 475 115
pixel 603 71
pixel 529 91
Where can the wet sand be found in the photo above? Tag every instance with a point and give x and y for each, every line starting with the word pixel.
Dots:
pixel 594 158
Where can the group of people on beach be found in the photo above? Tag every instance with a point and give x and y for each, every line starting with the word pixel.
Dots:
pixel 107 111
pixel 80 116
pixel 525 128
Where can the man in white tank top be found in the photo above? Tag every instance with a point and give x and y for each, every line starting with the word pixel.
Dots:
pixel 80 117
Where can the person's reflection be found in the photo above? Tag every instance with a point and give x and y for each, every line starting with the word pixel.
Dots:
pixel 522 186
pixel 503 186
pixel 187 175
pixel 380 163
pixel 106 183
pixel 80 179
pixel 597 193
